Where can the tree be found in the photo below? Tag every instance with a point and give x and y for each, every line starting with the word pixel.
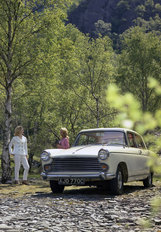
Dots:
pixel 149 16
pixel 102 28
pixel 16 31
pixel 96 72
pixel 140 59
pixel 21 27
pixel 63 107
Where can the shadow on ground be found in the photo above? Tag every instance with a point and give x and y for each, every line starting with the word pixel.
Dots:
pixel 40 189
pixel 88 193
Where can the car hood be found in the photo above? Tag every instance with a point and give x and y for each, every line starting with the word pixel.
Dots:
pixel 87 150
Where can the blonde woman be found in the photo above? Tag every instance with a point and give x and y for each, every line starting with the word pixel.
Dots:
pixel 18 148
pixel 64 142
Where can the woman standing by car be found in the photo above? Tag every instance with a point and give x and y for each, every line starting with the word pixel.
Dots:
pixel 18 148
pixel 64 142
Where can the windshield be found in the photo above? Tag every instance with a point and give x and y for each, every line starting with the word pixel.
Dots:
pixel 100 137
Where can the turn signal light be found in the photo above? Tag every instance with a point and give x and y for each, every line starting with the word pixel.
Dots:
pixel 104 167
pixel 47 167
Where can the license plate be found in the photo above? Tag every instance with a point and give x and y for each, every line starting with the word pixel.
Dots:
pixel 71 181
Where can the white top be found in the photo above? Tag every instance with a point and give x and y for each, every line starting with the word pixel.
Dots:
pixel 18 146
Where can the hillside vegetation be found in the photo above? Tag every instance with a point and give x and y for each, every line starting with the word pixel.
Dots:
pixel 115 16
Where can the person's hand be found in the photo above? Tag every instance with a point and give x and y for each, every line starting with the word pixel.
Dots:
pixel 11 155
pixel 59 146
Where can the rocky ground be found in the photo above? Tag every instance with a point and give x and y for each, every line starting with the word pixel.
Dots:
pixel 30 208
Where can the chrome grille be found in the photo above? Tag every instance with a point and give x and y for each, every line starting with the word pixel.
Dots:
pixel 76 164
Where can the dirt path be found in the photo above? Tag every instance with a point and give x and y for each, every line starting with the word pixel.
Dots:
pixel 35 208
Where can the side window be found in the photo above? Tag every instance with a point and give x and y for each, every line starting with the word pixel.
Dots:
pixel 82 140
pixel 131 139
pixel 139 142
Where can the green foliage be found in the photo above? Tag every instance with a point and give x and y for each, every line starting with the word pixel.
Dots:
pixel 140 59
pixel 58 93
pixel 102 28
pixel 158 7
pixel 149 16
pixel 149 3
pixel 96 72
pixel 35 37
pixel 131 116
pixel 141 10
pixel 63 74
pixel 115 17
pixel 123 5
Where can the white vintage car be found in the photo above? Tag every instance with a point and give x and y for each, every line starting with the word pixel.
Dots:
pixel 99 157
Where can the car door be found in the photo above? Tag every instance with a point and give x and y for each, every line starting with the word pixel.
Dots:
pixel 133 156
pixel 138 156
pixel 142 155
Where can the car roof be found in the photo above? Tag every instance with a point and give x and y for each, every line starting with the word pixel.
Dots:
pixel 108 129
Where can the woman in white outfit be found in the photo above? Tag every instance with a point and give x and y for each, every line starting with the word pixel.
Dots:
pixel 18 148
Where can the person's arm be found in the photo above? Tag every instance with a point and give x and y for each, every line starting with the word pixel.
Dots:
pixel 59 146
pixel 10 146
pixel 26 150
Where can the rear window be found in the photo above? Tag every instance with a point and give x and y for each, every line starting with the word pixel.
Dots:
pixel 139 142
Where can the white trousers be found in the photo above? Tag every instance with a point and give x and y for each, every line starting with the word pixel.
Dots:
pixel 21 159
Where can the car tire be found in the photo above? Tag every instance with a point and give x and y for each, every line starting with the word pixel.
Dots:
pixel 148 182
pixel 55 187
pixel 116 184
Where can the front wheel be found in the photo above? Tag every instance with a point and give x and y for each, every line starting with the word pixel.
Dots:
pixel 148 182
pixel 55 187
pixel 116 185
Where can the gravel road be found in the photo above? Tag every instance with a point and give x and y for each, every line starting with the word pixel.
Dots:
pixel 80 210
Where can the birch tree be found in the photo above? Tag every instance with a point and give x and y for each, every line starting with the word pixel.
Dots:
pixel 17 30
pixel 22 26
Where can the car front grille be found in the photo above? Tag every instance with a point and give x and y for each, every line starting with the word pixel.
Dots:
pixel 76 165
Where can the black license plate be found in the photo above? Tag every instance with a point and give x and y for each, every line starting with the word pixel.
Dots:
pixel 71 181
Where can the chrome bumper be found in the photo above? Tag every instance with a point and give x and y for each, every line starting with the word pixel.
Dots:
pixel 99 176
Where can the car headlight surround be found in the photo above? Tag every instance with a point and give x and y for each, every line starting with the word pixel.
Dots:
pixel 45 156
pixel 103 154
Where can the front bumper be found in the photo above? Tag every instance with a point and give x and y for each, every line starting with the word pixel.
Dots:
pixel 89 177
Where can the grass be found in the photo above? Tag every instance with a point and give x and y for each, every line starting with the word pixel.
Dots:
pixel 15 191
pixel 37 185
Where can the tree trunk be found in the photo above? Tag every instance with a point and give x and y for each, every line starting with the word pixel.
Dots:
pixel 98 116
pixel 5 162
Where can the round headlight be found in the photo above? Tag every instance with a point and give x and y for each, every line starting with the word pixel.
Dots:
pixel 45 156
pixel 103 154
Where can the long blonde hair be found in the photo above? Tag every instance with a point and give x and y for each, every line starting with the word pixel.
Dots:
pixel 64 132
pixel 17 130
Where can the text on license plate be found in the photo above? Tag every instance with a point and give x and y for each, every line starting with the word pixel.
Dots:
pixel 71 181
